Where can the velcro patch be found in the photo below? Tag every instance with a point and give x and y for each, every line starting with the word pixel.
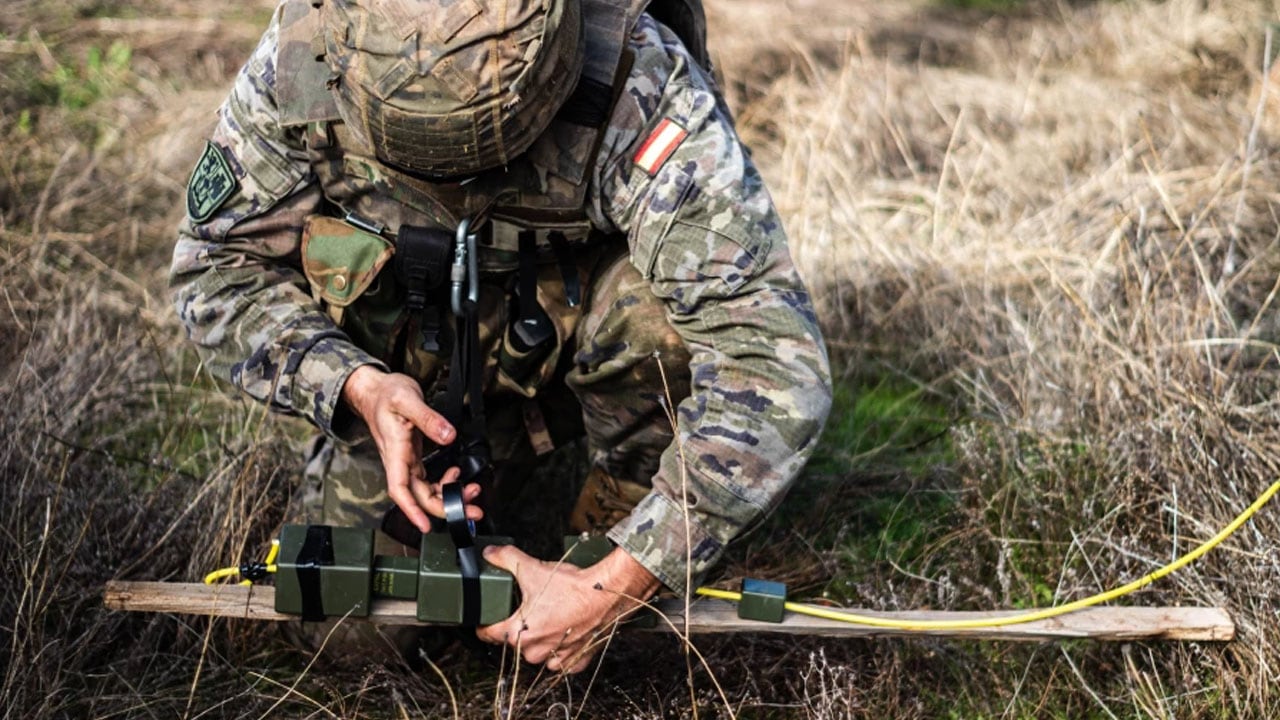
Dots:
pixel 660 144
pixel 211 184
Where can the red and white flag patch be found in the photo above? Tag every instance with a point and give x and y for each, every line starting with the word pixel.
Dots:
pixel 660 144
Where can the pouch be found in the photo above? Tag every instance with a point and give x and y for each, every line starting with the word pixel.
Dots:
pixel 341 261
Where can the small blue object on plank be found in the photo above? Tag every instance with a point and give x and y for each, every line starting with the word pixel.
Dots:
pixel 762 600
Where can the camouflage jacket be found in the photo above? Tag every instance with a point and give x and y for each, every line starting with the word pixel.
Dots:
pixel 700 226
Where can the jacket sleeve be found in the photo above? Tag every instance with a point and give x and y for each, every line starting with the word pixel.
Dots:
pixel 236 275
pixel 703 231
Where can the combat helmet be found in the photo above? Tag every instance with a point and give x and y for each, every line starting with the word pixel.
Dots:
pixel 449 88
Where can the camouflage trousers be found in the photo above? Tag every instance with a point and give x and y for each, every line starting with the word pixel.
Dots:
pixel 617 375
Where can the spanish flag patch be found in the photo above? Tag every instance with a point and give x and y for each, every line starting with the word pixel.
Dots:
pixel 659 145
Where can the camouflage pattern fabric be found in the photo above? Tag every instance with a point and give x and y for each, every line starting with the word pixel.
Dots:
pixel 604 502
pixel 703 289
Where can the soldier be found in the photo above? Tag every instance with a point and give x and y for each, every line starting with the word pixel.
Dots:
pixel 410 204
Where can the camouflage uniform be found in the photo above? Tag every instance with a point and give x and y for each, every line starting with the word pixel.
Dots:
pixel 683 262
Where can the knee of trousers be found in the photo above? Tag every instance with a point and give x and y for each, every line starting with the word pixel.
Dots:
pixel 351 482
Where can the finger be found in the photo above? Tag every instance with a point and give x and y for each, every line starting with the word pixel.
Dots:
pixel 427 499
pixel 450 476
pixel 431 500
pixel 431 495
pixel 511 559
pixel 538 655
pixel 404 471
pixel 583 663
pixel 587 649
pixel 401 495
pixel 469 494
pixel 499 632
pixel 431 423
pixel 556 657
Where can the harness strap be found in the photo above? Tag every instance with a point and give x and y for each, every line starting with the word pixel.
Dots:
pixel 589 105
pixel 463 406
pixel 532 327
pixel 568 268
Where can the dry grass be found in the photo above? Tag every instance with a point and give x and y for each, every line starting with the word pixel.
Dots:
pixel 1068 229
pixel 1059 223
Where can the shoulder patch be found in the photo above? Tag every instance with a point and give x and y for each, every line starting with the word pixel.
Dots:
pixel 659 145
pixel 211 184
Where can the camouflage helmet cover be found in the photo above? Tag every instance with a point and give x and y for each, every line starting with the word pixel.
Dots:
pixel 445 88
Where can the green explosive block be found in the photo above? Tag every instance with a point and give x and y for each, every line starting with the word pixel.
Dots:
pixel 762 600
pixel 586 550
pixel 324 571
pixel 440 583
pixel 395 577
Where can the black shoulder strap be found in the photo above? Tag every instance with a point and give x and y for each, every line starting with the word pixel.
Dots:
pixel 688 20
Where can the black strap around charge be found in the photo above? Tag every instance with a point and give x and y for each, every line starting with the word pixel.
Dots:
pixel 316 552
pixel 463 533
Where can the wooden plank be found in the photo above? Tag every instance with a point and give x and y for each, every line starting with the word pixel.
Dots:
pixel 1097 623
pixel 717 616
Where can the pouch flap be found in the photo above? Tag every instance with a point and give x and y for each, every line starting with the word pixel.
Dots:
pixel 340 260
pixel 302 75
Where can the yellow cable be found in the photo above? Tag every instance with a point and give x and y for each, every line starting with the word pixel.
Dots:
pixel 219 574
pixel 227 572
pixel 1026 617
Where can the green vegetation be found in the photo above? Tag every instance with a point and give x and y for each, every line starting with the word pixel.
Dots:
pixel 886 423
pixel 76 88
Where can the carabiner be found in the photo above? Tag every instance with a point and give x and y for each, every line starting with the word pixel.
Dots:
pixel 465 271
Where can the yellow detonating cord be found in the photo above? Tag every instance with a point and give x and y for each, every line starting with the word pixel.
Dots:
pixel 1029 616
pixel 251 571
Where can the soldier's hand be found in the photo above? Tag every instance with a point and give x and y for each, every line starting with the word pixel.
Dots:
pixel 566 613
pixel 391 404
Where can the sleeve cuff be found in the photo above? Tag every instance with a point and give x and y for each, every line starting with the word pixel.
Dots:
pixel 655 535
pixel 317 387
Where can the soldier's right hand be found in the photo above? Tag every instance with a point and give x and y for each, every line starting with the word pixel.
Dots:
pixel 392 406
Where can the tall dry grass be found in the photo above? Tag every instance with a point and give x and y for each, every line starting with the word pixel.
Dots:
pixel 1057 222
pixel 1068 228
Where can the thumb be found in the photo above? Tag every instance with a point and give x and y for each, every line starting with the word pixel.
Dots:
pixel 509 558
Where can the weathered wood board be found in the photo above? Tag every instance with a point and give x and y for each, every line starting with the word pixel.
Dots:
pixel 707 616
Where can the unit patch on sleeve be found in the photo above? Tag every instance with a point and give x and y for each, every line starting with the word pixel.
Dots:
pixel 211 184
pixel 659 145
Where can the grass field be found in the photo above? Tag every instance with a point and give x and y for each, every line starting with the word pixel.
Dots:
pixel 1044 241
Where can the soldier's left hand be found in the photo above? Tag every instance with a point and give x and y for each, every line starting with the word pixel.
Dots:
pixel 567 612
